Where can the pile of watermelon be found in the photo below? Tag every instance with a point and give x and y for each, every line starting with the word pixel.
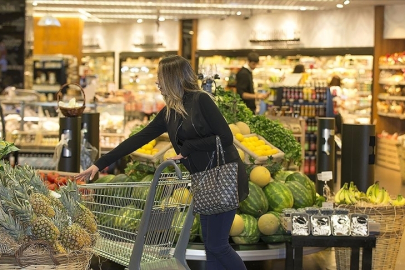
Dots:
pixel 258 216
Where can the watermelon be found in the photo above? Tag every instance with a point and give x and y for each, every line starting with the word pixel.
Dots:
pixel 278 196
pixel 128 218
pixel 178 223
pixel 250 234
pixel 302 196
pixel 105 179
pixel 305 181
pixel 275 238
pixel 120 178
pixel 281 175
pixel 256 203
pixel 142 192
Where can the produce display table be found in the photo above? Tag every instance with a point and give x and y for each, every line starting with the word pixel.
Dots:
pixel 294 249
pixel 195 253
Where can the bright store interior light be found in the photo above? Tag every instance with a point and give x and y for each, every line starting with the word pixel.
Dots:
pixel 346 2
pixel 339 6
pixel 48 20
pixel 139 21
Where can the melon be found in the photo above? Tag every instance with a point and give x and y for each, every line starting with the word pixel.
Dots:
pixel 241 154
pixel 182 195
pixel 260 175
pixel 268 224
pixel 250 233
pixel 237 226
pixel 279 196
pixel 243 127
pixel 256 203
pixel 170 153
pixel 234 129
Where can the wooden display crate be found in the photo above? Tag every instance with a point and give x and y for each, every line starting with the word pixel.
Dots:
pixel 161 144
pixel 258 159
pixel 387 153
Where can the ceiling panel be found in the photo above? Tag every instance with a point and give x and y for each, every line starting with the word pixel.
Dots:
pixel 108 11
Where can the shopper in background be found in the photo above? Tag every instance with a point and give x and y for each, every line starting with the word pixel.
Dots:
pixel 336 101
pixel 244 82
pixel 192 121
pixel 3 65
pixel 299 68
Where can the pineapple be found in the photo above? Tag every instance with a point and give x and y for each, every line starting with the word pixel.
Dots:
pixel 79 213
pixel 44 229
pixel 41 205
pixel 58 247
pixel 75 237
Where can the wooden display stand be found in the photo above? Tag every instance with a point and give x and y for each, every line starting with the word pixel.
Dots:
pixel 294 249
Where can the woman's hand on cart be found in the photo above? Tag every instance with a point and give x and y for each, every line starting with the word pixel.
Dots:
pixel 178 158
pixel 87 174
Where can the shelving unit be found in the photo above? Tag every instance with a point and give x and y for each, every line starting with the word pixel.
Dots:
pixel 99 65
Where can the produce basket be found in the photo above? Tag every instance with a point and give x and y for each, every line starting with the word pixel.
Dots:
pixel 74 111
pixel 258 159
pixel 392 224
pixel 37 255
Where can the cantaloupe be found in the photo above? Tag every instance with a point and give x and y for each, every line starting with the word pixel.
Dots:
pixel 260 175
pixel 182 195
pixel 243 127
pixel 268 224
pixel 241 154
pixel 234 129
pixel 169 154
pixel 237 226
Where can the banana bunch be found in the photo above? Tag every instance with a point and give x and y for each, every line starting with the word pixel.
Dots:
pixel 378 195
pixel 399 201
pixel 349 194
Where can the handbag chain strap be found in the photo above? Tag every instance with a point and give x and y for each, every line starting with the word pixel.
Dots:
pixel 220 150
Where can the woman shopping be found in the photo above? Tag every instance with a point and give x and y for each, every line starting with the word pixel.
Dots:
pixel 192 121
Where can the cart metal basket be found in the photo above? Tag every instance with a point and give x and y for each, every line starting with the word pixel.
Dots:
pixel 143 225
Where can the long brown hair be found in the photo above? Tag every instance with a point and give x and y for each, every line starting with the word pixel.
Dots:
pixel 175 77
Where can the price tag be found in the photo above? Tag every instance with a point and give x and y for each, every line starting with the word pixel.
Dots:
pixel 327 175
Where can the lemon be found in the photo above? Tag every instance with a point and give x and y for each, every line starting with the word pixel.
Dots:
pixel 140 150
pixel 260 142
pixel 147 147
pixel 254 138
pixel 155 151
pixel 152 142
pixel 239 137
pixel 260 175
pixel 148 152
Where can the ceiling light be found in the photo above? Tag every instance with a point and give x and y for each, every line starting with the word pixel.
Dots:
pixel 161 19
pixel 346 2
pixel 139 21
pixel 303 8
pixel 191 32
pixel 238 13
pixel 48 20
pixel 34 4
pixel 339 6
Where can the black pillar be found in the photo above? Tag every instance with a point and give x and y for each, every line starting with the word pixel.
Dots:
pixel 325 160
pixel 70 156
pixel 358 155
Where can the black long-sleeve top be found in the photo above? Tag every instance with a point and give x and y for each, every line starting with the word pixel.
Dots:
pixel 192 136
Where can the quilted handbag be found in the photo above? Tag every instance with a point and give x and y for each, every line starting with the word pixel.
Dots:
pixel 215 190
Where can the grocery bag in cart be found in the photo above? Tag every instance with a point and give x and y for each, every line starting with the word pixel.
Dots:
pixel 144 225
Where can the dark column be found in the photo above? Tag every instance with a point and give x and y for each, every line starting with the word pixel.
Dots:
pixel 70 156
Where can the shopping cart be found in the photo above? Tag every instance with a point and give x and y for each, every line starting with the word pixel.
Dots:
pixel 143 225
